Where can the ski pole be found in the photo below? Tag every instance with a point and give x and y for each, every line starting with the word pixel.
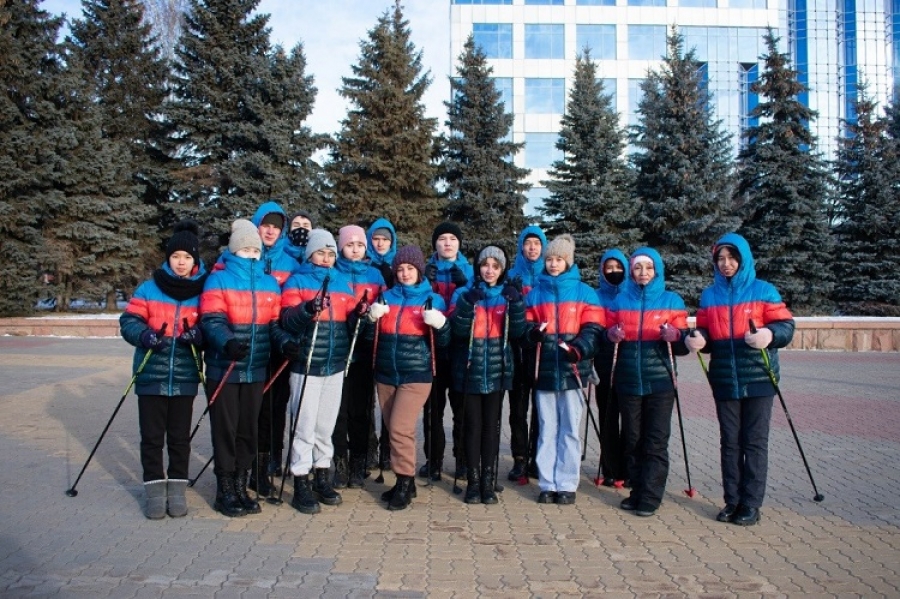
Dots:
pixel 532 424
pixel 278 372
pixel 196 356
pixel 598 481
pixel 768 368
pixel 365 299
pixel 429 407
pixel 380 478
pixel 456 488
pixel 690 491
pixel 212 400
pixel 584 396
pixel 71 492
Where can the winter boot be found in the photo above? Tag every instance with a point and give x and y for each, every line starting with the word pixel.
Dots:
pixel 357 478
pixel 251 506
pixel 177 502
pixel 341 472
pixel 304 501
pixel 461 470
pixel 260 482
pixel 488 485
pixel 227 501
pixel 389 494
pixel 473 489
pixel 322 488
pixel 433 471
pixel 155 507
pixel 518 469
pixel 403 493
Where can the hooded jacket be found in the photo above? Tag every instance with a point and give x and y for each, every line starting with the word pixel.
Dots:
pixel 382 263
pixel 643 366
pixel 525 270
pixel 366 280
pixel 606 294
pixel 277 261
pixel 736 370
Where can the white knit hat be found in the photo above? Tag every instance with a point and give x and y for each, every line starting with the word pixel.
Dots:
pixel 563 247
pixel 244 234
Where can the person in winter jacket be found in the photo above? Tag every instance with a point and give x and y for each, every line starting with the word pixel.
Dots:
pixel 356 418
pixel 381 247
pixel 447 270
pixel 740 383
pixel 484 319
pixel 564 323
pixel 317 305
pixel 161 321
pixel 299 225
pixel 523 275
pixel 611 280
pixel 239 310
pixel 648 324
pixel 410 324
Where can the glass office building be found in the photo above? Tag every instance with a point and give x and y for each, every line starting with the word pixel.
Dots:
pixel 835 45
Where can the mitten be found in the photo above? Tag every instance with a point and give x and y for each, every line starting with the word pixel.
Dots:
pixel 511 293
pixel 695 342
pixel 431 272
pixel 291 350
pixel 760 339
pixel 434 318
pixel 191 336
pixel 474 295
pixel 151 339
pixel 669 333
pixel 236 350
pixel 616 334
pixel 458 277
pixel 377 310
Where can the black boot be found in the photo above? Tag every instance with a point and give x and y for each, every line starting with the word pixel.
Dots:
pixel 357 478
pixel 341 472
pixel 251 506
pixel 461 470
pixel 304 501
pixel 488 485
pixel 432 470
pixel 389 494
pixel 518 469
pixel 227 501
pixel 322 488
pixel 260 482
pixel 473 488
pixel 403 493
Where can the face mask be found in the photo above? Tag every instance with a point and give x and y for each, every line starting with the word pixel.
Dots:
pixel 298 237
pixel 615 277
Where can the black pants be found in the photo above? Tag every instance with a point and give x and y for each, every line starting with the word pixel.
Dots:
pixel 519 402
pixel 273 411
pixel 744 438
pixel 612 454
pixel 646 427
pixel 433 423
pixel 233 420
pixel 351 430
pixel 165 422
pixel 482 429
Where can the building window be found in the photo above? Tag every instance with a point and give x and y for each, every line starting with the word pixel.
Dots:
pixel 540 150
pixel 535 198
pixel 481 2
pixel 646 42
pixel 595 2
pixel 748 4
pixel 545 96
pixel 635 95
pixel 504 85
pixel 545 2
pixel 610 88
pixel 601 39
pixel 697 3
pixel 545 41
pixel 748 74
pixel 646 2
pixel 495 39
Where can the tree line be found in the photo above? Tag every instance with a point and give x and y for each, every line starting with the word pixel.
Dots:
pixel 109 139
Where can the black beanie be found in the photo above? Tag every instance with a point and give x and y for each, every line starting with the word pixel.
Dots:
pixel 185 238
pixel 446 227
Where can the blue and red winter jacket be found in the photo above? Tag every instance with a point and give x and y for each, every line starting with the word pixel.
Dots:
pixel 574 315
pixel 366 280
pixel 382 263
pixel 332 327
pixel 606 293
pixel 443 283
pixel 525 271
pixel 481 350
pixel 173 370
pixel 643 366
pixel 402 341
pixel 736 370
pixel 240 301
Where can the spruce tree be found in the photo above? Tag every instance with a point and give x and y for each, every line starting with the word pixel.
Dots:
pixel 868 263
pixel 683 170
pixel 485 189
pixel 382 162
pixel 783 190
pixel 590 188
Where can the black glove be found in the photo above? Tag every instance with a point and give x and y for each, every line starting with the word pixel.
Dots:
pixel 191 336
pixel 536 335
pixel 236 350
pixel 517 283
pixel 511 294
pixel 474 295
pixel 291 350
pixel 431 272
pixel 362 308
pixel 569 353
pixel 458 277
pixel 298 237
pixel 315 305
pixel 151 339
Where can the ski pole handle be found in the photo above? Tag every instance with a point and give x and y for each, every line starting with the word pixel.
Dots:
pixel 752 326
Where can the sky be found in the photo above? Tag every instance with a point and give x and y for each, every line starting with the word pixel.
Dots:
pixel 331 31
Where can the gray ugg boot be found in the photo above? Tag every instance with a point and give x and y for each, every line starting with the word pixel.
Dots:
pixel 177 502
pixel 155 508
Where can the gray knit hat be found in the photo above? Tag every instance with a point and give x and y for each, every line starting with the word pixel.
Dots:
pixel 320 239
pixel 244 234
pixel 492 251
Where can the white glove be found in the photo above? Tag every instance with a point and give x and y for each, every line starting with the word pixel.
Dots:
pixel 377 310
pixel 760 339
pixel 695 342
pixel 434 318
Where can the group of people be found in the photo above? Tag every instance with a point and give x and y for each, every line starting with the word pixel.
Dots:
pixel 292 321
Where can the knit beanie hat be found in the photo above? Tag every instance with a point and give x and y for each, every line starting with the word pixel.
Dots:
pixel 409 254
pixel 273 218
pixel 492 251
pixel 304 214
pixel 640 258
pixel 563 247
pixel 320 239
pixel 244 234
pixel 383 232
pixel 446 227
pixel 185 239
pixel 351 233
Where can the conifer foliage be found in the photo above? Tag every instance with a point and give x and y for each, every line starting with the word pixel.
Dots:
pixel 590 188
pixel 783 190
pixel 382 162
pixel 485 189
pixel 684 180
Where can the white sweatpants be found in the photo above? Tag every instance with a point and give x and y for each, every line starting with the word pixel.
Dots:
pixel 312 447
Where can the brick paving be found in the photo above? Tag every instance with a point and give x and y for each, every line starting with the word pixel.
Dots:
pixel 57 394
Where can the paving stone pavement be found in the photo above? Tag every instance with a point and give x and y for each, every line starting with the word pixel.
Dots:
pixel 57 394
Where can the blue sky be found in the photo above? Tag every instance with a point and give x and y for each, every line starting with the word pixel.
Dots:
pixel 330 31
